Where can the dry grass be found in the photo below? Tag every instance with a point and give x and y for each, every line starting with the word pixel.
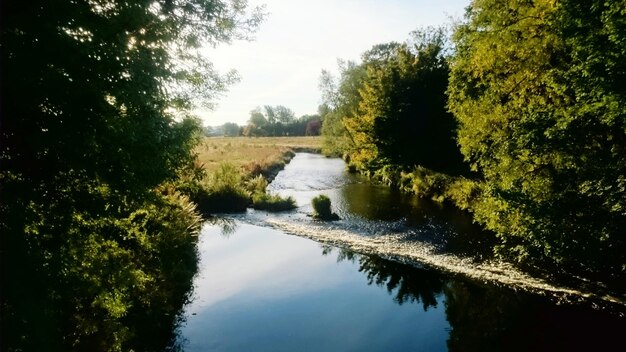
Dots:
pixel 251 154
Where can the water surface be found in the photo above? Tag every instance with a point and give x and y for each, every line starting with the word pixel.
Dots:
pixel 260 288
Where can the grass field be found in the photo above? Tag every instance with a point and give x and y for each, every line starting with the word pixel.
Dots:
pixel 252 154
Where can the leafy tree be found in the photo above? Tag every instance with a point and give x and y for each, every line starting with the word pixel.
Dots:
pixel 230 129
pixel 538 89
pixel 403 118
pixel 279 113
pixel 95 116
pixel 313 128
pixel 276 121
pixel 341 100
pixel 393 106
pixel 256 124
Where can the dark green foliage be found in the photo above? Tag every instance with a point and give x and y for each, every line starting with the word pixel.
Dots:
pixel 96 272
pixel 95 102
pixel 391 109
pixel 222 191
pixel 403 119
pixel 322 209
pixel 538 90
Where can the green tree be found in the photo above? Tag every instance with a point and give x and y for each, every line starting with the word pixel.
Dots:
pixel 95 116
pixel 391 109
pixel 279 113
pixel 341 101
pixel 401 118
pixel 537 87
pixel 230 129
pixel 276 121
pixel 256 124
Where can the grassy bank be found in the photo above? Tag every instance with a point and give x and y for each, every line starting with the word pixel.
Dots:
pixel 459 191
pixel 232 173
pixel 252 154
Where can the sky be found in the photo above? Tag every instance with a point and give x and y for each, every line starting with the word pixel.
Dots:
pixel 298 39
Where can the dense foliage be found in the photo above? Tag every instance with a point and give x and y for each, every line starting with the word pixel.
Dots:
pixel 275 121
pixel 94 121
pixel 341 102
pixel 538 88
pixel 392 107
pixel 322 209
pixel 537 91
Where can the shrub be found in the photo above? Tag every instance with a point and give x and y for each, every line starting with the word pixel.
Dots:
pixel 269 202
pixel 256 185
pixel 321 207
pixel 221 191
pixel 425 183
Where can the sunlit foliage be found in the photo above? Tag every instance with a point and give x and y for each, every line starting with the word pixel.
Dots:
pixel 538 89
pixel 391 108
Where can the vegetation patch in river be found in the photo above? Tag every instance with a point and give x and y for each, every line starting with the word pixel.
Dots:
pixel 322 209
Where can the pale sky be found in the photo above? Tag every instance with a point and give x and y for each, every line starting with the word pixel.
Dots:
pixel 299 39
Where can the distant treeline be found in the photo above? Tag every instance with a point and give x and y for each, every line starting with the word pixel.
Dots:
pixel 520 118
pixel 270 121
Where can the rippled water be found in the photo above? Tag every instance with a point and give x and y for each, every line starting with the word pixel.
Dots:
pixel 260 288
pixel 379 220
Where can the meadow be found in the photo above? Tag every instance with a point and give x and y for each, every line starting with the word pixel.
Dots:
pixel 253 154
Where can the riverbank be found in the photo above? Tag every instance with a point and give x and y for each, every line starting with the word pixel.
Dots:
pixel 232 173
pixel 391 224
pixel 264 156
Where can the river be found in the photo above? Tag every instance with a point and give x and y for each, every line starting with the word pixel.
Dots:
pixel 394 274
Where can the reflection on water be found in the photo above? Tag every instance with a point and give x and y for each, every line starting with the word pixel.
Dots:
pixel 261 290
pixel 407 284
pixel 375 209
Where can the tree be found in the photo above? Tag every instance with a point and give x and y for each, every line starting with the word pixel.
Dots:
pixel 95 115
pixel 341 98
pixel 313 127
pixel 230 129
pixel 275 121
pixel 537 89
pixel 392 107
pixel 256 124
pixel 279 113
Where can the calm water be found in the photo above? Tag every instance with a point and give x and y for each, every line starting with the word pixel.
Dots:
pixel 260 289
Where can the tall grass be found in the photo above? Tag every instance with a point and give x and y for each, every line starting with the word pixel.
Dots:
pixel 232 173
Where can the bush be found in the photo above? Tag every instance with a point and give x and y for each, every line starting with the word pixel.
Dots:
pixel 222 191
pixel 256 185
pixel 272 202
pixel 96 273
pixel 321 207
pixel 425 183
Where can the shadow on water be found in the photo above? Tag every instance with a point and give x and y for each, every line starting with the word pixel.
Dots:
pixel 260 289
pixel 371 210
pixel 448 229
pixel 490 318
pixel 407 284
